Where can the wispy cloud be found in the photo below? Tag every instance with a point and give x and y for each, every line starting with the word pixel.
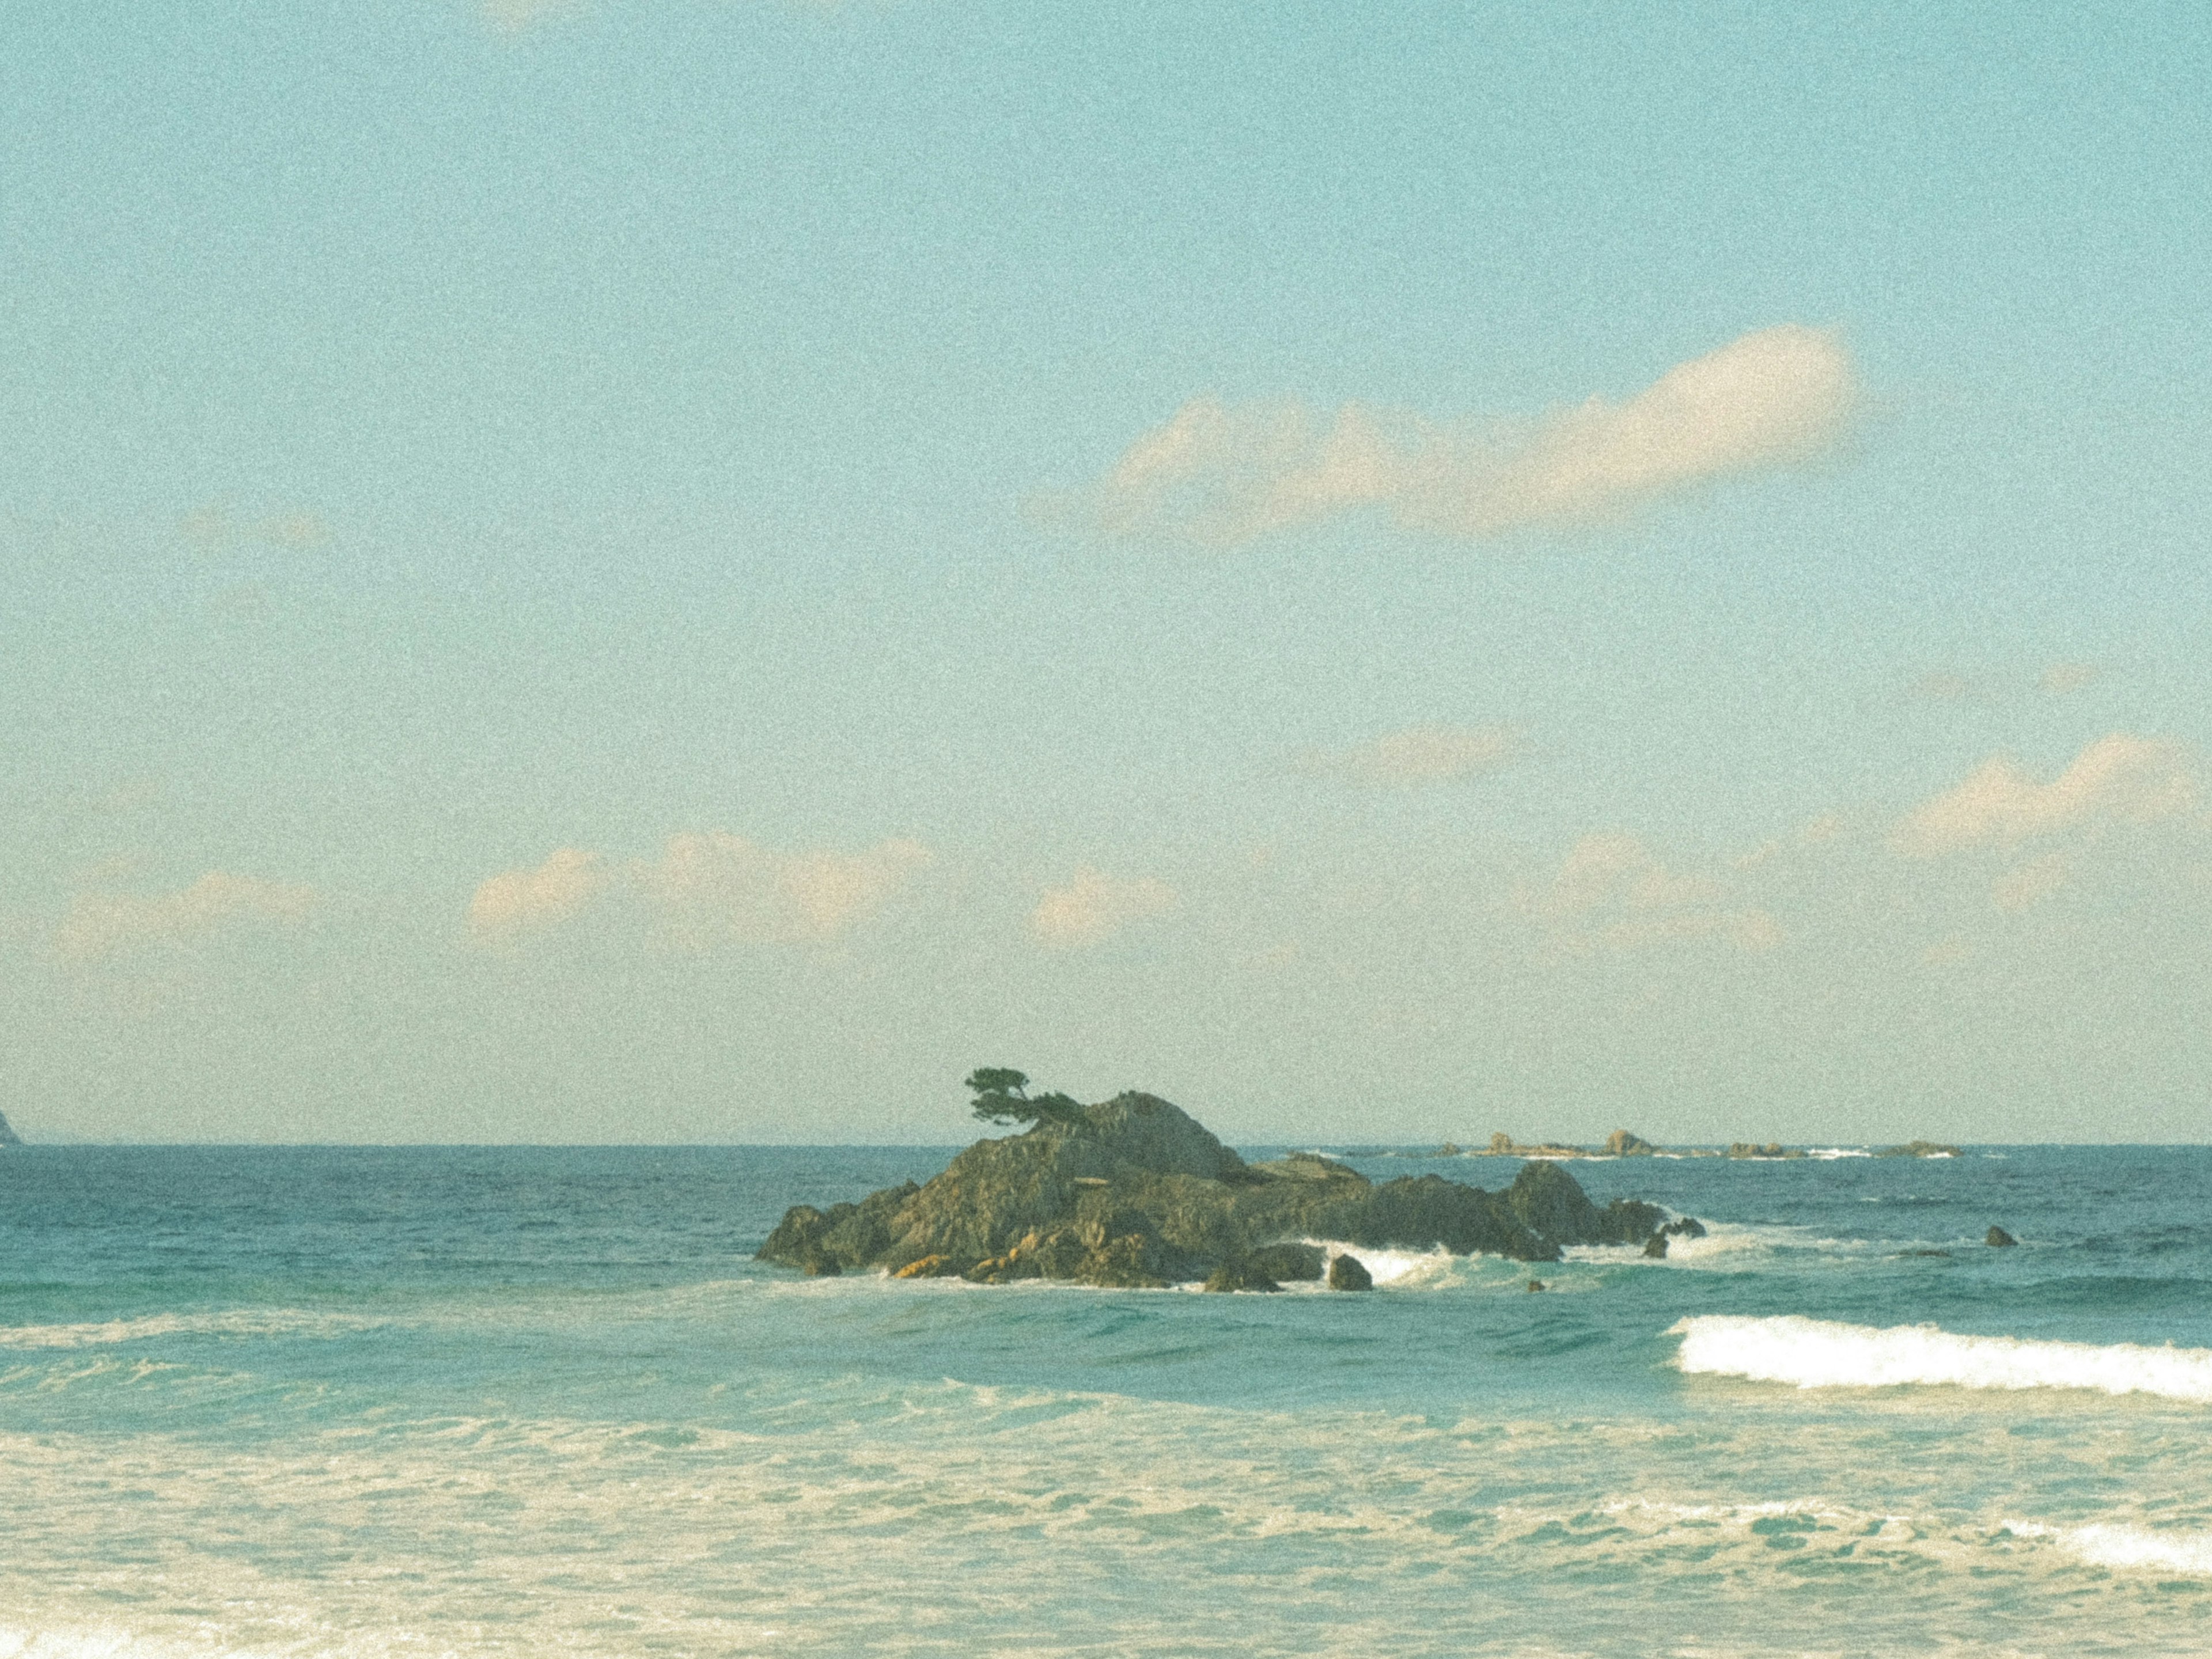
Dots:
pixel 705 889
pixel 1419 755
pixel 514 16
pixel 2061 678
pixel 218 526
pixel 2026 885
pixel 102 925
pixel 1610 893
pixel 516 904
pixel 717 888
pixel 1221 474
pixel 1094 906
pixel 2118 778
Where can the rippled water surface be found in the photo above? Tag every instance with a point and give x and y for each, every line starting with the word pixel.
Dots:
pixel 372 1402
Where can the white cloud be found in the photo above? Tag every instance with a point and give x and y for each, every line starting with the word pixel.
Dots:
pixel 705 889
pixel 717 888
pixel 103 925
pixel 2118 778
pixel 1419 755
pixel 1221 474
pixel 1094 906
pixel 517 903
pixel 1610 893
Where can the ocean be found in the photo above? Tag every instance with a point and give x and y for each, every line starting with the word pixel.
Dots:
pixel 456 1400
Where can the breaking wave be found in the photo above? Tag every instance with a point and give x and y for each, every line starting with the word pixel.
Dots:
pixel 2128 1547
pixel 1814 1353
pixel 244 1322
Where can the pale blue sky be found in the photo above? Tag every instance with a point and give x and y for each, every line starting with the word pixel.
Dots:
pixel 660 458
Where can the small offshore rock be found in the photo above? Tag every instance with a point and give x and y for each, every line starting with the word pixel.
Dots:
pixel 1134 1193
pixel 2000 1239
pixel 1656 1249
pixel 7 1136
pixel 1621 1144
pixel 1348 1273
pixel 1537 1284
pixel 1919 1148
pixel 1688 1226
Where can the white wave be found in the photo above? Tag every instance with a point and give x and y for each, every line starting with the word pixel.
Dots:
pixel 2132 1547
pixel 1832 1152
pixel 238 1321
pixel 2107 1546
pixel 1815 1353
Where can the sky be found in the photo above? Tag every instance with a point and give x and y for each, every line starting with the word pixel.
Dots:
pixel 691 570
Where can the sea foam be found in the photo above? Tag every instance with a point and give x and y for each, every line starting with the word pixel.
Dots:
pixel 1814 1353
pixel 2126 1547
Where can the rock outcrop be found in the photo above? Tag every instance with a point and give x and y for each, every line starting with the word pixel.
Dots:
pixel 1504 1145
pixel 1349 1272
pixel 1919 1148
pixel 1134 1191
pixel 1621 1144
pixel 1772 1149
pixel 7 1136
pixel 1999 1239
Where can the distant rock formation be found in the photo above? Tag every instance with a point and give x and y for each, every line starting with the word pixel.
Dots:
pixel 1919 1148
pixel 1621 1144
pixel 1772 1149
pixel 1504 1145
pixel 1134 1191
pixel 1998 1238
pixel 7 1136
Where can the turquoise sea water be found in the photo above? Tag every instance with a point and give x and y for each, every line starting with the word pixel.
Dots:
pixel 438 1401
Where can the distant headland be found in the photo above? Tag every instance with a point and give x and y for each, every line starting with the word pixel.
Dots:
pixel 1134 1191
pixel 1622 1144
pixel 7 1136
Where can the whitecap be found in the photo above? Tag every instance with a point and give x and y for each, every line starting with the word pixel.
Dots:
pixel 1814 1353
pixel 2105 1545
pixel 238 1321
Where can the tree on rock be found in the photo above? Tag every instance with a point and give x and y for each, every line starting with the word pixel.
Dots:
pixel 1002 1095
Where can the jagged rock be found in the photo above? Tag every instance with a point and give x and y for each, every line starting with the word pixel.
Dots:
pixel 1134 1192
pixel 1537 1284
pixel 1239 1275
pixel 2000 1239
pixel 1919 1148
pixel 1548 1201
pixel 1772 1149
pixel 1656 1247
pixel 1349 1272
pixel 1292 1262
pixel 1621 1144
pixel 1688 1227
pixel 7 1136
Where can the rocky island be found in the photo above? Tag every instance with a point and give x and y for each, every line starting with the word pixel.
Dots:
pixel 1134 1191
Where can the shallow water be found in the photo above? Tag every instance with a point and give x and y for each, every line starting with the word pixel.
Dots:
pixel 541 1401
